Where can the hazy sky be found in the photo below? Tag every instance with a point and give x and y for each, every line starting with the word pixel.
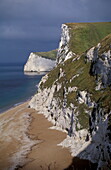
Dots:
pixel 34 25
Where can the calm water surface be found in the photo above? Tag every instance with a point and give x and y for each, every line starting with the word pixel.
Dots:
pixel 15 86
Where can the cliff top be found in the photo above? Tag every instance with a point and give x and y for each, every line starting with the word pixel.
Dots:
pixel 84 81
pixel 76 95
pixel 49 54
pixel 85 35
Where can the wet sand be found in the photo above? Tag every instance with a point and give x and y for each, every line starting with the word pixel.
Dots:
pixel 26 142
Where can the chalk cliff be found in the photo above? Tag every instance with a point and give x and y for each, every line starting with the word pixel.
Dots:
pixel 38 63
pixel 64 52
pixel 76 95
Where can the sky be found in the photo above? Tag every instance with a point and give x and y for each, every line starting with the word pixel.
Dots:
pixel 35 25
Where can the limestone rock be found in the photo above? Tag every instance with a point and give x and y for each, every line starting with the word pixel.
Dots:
pixel 68 101
pixel 64 52
pixel 37 63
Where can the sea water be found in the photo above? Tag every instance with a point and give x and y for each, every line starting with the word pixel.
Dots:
pixel 15 85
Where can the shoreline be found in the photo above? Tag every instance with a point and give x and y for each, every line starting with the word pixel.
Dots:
pixel 25 133
pixel 28 142
pixel 8 108
pixel 14 125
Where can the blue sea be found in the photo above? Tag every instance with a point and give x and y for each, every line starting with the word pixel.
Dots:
pixel 15 85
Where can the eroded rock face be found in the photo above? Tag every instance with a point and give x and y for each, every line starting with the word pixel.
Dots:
pixel 100 148
pixel 37 63
pixel 64 52
pixel 100 66
pixel 84 97
pixel 45 103
pixel 92 142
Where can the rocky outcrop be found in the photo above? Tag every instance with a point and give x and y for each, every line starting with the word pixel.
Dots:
pixel 64 52
pixel 69 96
pixel 100 58
pixel 38 63
pixel 88 143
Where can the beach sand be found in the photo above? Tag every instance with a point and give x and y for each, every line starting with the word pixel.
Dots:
pixel 26 142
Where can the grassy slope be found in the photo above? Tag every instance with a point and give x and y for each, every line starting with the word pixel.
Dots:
pixel 84 82
pixel 86 35
pixel 105 44
pixel 49 54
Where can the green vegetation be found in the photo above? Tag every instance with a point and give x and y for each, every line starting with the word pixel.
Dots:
pixel 83 117
pixel 84 82
pixel 52 76
pixel 49 54
pixel 104 99
pixel 105 44
pixel 83 37
pixel 86 35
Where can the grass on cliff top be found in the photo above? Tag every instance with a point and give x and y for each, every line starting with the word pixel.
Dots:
pixel 84 81
pixel 105 44
pixel 86 35
pixel 49 54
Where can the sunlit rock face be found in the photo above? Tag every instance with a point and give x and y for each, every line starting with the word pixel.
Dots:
pixel 64 52
pixel 91 143
pixel 69 102
pixel 37 63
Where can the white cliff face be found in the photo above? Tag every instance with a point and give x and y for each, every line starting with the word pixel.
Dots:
pixel 90 54
pixel 93 145
pixel 69 55
pixel 64 52
pixel 92 142
pixel 45 103
pixel 100 148
pixel 84 97
pixel 38 64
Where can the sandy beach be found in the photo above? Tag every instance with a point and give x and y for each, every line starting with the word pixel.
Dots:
pixel 26 142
